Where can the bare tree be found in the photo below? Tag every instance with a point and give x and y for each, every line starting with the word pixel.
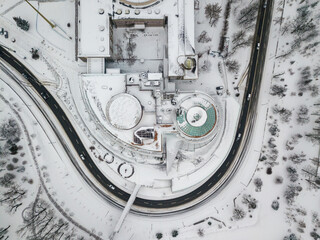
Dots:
pixel 118 52
pixel 292 174
pixel 200 232
pixel 35 53
pixel 13 197
pixel 258 183
pixel 240 41
pixel 304 84
pixel 297 158
pixel 278 90
pixel 305 79
pixel 248 15
pixel 285 54
pixel 315 235
pixel 273 129
pixel 232 65
pixel 302 115
pixel 293 141
pixel 285 114
pixel 316 72
pixel 314 90
pixel 131 46
pixel 10 130
pixel 291 192
pixel 249 201
pixel 302 26
pixel 313 137
pixel 311 172
pixel 4 233
pixel 7 180
pixel 271 143
pixel 285 28
pixel 272 157
pixel 40 222
pixel 292 236
pixel 238 213
pixel 212 12
pixel 238 36
pixel 203 37
pixel 206 66
pixel 278 20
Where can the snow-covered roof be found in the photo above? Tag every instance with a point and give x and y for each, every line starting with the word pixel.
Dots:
pixel 180 35
pixel 94 32
pixel 124 111
pixel 180 24
pixel 95 29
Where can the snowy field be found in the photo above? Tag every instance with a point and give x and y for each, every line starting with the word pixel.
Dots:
pixel 273 195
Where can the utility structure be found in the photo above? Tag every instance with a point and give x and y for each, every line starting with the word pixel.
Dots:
pixel 50 23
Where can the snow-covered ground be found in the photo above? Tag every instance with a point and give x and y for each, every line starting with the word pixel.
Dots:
pixel 281 164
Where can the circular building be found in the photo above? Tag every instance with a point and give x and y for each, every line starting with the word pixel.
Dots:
pixel 124 111
pixel 196 116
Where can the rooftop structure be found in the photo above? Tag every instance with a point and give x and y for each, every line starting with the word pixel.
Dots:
pixel 196 117
pixel 99 20
pixel 94 29
pixel 124 111
pixel 137 105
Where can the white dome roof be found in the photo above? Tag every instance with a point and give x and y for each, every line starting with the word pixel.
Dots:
pixel 124 111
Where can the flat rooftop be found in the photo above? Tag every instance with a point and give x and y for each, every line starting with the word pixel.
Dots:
pixel 94 31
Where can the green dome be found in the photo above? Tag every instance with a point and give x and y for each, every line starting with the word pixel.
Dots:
pixel 198 120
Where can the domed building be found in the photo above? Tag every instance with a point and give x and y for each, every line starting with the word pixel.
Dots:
pixel 124 111
pixel 196 116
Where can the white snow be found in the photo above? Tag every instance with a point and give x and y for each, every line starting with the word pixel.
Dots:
pixel 124 111
pixel 94 28
pixel 74 197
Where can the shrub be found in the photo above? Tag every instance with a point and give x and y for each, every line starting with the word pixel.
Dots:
pixel 275 205
pixel 159 235
pixel 174 233
pixel 278 180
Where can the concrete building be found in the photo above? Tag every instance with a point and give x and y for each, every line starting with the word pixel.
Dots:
pixel 98 20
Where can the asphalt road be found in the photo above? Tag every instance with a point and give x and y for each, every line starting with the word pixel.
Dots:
pixel 246 117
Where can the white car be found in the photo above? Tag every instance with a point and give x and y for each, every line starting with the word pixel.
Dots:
pixel 265 4
pixel 238 137
pixel 44 95
pixel 82 157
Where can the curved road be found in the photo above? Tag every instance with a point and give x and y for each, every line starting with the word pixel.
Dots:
pixel 246 119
